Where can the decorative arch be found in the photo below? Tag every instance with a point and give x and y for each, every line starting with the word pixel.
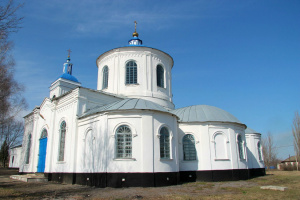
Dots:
pixel 105 77
pixel 220 141
pixel 44 133
pixel 131 72
pixel 160 76
pixel 89 150
pixel 133 130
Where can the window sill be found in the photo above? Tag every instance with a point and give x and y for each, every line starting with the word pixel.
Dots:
pixel 166 159
pixel 124 159
pixel 222 159
pixel 132 84
pixel 188 161
pixel 161 87
pixel 60 162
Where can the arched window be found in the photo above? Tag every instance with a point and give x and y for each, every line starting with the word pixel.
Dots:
pixel 189 149
pixel 131 73
pixel 240 147
pixel 160 76
pixel 28 149
pixel 123 142
pixel 259 151
pixel 44 134
pixel 61 151
pixel 105 77
pixel 164 143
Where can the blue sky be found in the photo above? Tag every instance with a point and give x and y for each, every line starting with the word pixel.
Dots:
pixel 240 56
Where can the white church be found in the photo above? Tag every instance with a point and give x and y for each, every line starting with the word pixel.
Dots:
pixel 128 132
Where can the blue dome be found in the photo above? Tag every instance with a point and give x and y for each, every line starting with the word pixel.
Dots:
pixel 68 77
pixel 204 113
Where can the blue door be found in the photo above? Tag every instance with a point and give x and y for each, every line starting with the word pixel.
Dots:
pixel 42 155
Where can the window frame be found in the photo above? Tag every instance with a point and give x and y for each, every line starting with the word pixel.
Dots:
pixel 259 148
pixel 120 149
pixel 160 76
pixel 131 77
pixel 62 143
pixel 165 144
pixel 240 144
pixel 105 74
pixel 27 155
pixel 194 147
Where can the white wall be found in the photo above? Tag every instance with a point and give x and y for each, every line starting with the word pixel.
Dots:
pixel 15 157
pixel 210 156
pixel 253 157
pixel 145 142
pixel 147 60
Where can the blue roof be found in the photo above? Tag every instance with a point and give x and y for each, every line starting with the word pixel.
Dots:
pixel 127 104
pixel 204 113
pixel 68 77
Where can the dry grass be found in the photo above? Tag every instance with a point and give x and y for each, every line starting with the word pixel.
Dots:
pixel 249 189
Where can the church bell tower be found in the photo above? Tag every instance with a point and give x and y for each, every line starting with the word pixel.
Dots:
pixel 66 81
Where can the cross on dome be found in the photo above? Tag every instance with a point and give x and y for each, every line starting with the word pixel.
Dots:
pixel 135 34
pixel 135 41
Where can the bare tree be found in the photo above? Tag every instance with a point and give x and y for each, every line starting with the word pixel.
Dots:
pixel 11 100
pixel 296 134
pixel 269 151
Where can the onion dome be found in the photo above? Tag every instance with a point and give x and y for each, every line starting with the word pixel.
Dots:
pixel 67 70
pixel 204 113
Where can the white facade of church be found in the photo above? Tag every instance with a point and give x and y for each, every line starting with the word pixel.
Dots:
pixel 127 132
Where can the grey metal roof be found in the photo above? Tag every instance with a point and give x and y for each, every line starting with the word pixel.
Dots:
pixel 204 113
pixel 250 131
pixel 126 104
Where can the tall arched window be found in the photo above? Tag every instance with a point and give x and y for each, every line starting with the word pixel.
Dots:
pixel 131 73
pixel 105 77
pixel 61 151
pixel 27 155
pixel 164 143
pixel 123 142
pixel 259 151
pixel 189 149
pixel 160 76
pixel 240 147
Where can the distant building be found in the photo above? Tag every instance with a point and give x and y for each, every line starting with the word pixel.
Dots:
pixel 127 132
pixel 289 163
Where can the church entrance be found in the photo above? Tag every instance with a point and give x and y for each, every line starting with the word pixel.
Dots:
pixel 42 151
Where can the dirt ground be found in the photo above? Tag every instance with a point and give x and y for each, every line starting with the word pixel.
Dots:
pixel 14 189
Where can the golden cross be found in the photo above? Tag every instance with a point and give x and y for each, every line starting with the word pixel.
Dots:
pixel 69 52
pixel 135 23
